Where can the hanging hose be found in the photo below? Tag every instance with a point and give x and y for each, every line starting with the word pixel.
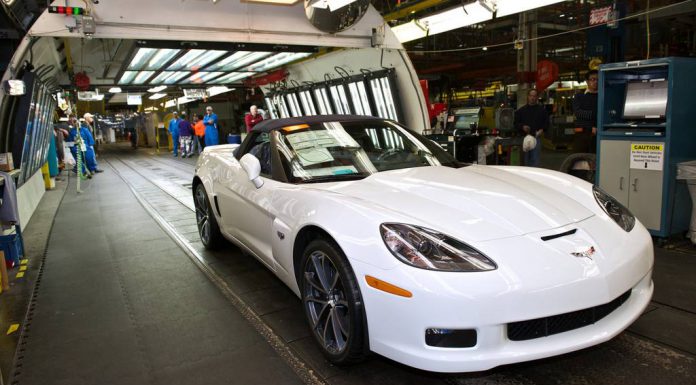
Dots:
pixel 647 24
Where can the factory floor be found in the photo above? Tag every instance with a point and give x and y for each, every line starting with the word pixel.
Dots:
pixel 120 290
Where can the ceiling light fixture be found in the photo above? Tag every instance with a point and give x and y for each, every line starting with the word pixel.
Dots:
pixel 169 77
pixel 509 7
pixel 157 96
pixel 239 59
pixel 413 30
pixel 276 60
pixel 203 77
pixel 157 89
pixel 232 77
pixel 114 90
pixel 332 5
pixel 444 21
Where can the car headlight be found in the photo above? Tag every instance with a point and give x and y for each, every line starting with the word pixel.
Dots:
pixel 614 209
pixel 431 250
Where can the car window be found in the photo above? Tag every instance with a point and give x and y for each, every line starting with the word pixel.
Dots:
pixel 352 150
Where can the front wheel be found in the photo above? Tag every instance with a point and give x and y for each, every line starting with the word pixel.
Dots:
pixel 333 304
pixel 208 228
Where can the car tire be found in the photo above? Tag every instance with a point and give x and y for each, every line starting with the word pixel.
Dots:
pixel 332 303
pixel 208 228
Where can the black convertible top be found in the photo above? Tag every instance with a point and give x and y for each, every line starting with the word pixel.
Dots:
pixel 275 124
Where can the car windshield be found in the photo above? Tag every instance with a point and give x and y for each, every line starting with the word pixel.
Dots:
pixel 335 151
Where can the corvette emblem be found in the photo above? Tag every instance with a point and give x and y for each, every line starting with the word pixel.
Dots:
pixel 584 254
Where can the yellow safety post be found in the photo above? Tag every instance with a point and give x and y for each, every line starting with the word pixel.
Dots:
pixel 49 183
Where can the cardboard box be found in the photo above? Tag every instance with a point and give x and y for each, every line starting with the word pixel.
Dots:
pixel 6 163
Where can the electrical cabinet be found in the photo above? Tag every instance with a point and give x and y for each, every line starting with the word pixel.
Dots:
pixel 644 129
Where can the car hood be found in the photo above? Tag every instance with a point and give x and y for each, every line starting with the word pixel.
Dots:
pixel 475 203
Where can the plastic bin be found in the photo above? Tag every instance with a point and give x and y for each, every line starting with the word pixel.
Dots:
pixel 11 244
pixel 234 139
pixel 687 172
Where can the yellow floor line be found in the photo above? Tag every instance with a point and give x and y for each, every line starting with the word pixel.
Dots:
pixel 13 328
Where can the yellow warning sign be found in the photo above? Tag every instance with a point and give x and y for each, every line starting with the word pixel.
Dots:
pixel 647 156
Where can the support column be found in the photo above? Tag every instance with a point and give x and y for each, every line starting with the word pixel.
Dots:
pixel 527 56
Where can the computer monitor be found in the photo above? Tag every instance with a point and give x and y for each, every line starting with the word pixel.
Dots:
pixel 646 100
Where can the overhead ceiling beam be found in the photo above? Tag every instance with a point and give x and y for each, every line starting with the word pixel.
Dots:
pixel 406 11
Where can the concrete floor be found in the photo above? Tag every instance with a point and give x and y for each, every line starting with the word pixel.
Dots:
pixel 120 299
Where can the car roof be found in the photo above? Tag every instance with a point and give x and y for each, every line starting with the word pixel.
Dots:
pixel 275 124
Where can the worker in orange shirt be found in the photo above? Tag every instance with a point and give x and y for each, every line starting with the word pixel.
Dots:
pixel 199 135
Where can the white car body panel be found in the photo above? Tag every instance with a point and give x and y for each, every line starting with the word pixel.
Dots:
pixel 501 211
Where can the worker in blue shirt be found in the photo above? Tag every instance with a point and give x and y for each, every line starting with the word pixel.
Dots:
pixel 211 127
pixel 174 131
pixel 90 155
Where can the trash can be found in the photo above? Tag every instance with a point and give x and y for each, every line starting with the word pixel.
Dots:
pixel 234 139
pixel 687 172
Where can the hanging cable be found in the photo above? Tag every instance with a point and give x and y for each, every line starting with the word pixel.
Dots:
pixel 647 33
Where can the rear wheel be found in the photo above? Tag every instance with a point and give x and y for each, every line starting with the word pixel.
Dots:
pixel 332 303
pixel 208 228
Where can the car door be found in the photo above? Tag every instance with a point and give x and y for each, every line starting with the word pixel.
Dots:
pixel 246 211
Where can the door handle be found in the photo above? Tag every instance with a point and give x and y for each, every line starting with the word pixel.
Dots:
pixel 621 183
pixel 635 184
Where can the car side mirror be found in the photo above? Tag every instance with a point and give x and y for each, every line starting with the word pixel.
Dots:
pixel 252 166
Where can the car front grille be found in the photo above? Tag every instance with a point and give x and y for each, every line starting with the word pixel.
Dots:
pixel 546 326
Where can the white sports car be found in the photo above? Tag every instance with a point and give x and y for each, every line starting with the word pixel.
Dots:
pixel 396 248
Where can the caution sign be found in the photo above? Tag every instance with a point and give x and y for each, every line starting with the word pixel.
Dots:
pixel 647 156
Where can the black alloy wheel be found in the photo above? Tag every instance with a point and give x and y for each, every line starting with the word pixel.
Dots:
pixel 208 228
pixel 333 304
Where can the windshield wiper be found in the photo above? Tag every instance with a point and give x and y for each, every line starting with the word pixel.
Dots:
pixel 335 178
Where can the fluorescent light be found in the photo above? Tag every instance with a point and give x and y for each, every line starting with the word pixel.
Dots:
pixel 127 77
pixel 232 77
pixel 170 103
pixel 332 5
pixel 157 96
pixel 509 7
pixel 203 77
pixel 184 100
pixel 307 103
pixel 161 58
pixel 458 17
pixel 412 30
pixel 276 61
pixel 157 89
pixel 238 59
pixel 140 58
pixel 217 90
pixel 142 77
pixel 323 101
pixel 169 77
pixel 195 59
pixel 115 90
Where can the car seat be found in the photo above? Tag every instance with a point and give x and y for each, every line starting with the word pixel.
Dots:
pixel 262 151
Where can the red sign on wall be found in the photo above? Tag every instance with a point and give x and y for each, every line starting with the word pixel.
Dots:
pixel 547 73
pixel 601 15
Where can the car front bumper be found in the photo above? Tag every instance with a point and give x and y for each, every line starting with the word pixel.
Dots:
pixel 543 281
